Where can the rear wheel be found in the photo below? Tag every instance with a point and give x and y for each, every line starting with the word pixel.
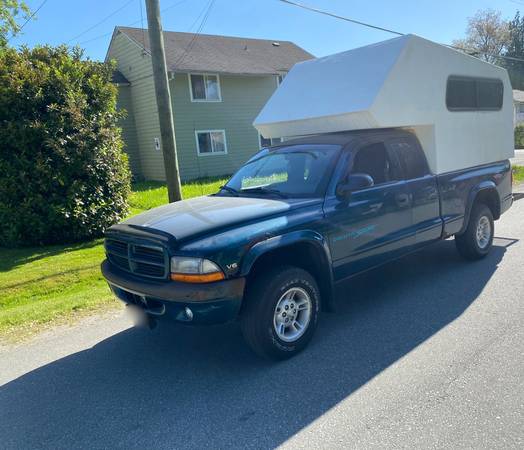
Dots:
pixel 477 239
pixel 281 312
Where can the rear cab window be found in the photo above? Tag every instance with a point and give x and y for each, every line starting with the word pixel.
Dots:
pixel 410 156
pixel 377 161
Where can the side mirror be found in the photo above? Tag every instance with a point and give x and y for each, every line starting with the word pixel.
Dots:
pixel 354 182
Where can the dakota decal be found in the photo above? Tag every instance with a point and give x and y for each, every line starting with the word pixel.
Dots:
pixel 354 234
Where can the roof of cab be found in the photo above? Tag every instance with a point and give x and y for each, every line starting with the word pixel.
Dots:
pixel 343 138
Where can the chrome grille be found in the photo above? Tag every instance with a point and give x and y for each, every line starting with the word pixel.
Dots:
pixel 147 260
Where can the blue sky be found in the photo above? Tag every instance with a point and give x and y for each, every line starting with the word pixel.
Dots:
pixel 60 21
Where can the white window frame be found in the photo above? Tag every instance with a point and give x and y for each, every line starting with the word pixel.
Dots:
pixel 212 153
pixel 201 100
pixel 260 143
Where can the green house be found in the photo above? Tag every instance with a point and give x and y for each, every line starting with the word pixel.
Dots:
pixel 218 85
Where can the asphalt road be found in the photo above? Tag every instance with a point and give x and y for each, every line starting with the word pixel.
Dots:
pixel 426 352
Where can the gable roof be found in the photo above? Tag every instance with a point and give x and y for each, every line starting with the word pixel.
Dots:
pixel 222 54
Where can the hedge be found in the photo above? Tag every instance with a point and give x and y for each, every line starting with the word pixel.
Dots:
pixel 519 136
pixel 63 174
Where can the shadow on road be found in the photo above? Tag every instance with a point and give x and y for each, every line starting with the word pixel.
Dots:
pixel 201 387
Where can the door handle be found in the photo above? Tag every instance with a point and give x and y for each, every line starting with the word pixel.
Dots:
pixel 403 200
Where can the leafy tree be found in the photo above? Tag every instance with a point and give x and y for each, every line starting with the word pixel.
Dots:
pixel 515 49
pixel 10 10
pixel 63 174
pixel 487 36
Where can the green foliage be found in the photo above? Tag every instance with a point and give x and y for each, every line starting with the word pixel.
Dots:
pixel 10 10
pixel 487 36
pixel 63 174
pixel 518 174
pixel 519 136
pixel 515 49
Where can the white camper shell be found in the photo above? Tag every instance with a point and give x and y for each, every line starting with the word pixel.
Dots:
pixel 460 107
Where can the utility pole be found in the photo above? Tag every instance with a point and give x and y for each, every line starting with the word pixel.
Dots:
pixel 163 101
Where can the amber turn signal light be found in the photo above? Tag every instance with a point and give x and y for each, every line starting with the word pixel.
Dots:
pixel 197 278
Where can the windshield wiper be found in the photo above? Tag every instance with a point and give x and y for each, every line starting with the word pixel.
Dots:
pixel 230 190
pixel 265 190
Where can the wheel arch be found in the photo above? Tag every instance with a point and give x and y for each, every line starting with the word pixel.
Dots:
pixel 305 249
pixel 485 192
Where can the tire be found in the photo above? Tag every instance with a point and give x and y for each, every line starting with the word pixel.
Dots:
pixel 280 287
pixel 474 243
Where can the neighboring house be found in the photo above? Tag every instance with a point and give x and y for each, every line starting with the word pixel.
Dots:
pixel 218 85
pixel 518 103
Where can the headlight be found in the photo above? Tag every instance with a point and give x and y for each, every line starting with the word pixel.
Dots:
pixel 194 270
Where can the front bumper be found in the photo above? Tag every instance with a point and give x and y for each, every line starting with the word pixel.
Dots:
pixel 210 303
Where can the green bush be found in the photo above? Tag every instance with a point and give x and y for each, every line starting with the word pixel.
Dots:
pixel 63 174
pixel 519 136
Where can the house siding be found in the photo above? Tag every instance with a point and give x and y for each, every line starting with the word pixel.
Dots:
pixel 242 99
pixel 136 66
pixel 518 116
pixel 127 124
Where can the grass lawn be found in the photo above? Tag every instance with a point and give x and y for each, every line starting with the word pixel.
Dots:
pixel 59 283
pixel 518 174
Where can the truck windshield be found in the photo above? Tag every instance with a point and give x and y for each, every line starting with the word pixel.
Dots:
pixel 292 171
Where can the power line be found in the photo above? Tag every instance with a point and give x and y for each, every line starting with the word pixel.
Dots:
pixel 336 16
pixel 191 44
pixel 204 13
pixel 473 52
pixel 142 26
pixel 398 33
pixel 116 11
pixel 167 8
pixel 32 15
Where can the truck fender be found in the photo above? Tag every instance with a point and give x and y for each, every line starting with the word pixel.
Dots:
pixel 296 237
pixel 482 187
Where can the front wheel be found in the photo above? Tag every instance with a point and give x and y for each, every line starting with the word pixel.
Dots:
pixel 281 312
pixel 477 239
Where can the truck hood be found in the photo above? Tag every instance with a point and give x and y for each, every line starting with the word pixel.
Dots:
pixel 201 215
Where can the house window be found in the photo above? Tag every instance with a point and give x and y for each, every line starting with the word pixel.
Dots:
pixel 280 78
pixel 520 108
pixel 474 94
pixel 211 142
pixel 204 88
pixel 266 142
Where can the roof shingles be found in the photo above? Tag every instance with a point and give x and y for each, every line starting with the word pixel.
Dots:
pixel 223 54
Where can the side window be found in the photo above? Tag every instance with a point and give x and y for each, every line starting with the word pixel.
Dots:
pixel 210 142
pixel 474 94
pixel 374 161
pixel 268 142
pixel 204 88
pixel 411 157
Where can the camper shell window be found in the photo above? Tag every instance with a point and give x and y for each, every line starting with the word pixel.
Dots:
pixel 474 94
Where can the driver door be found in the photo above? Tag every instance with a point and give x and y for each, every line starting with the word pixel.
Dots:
pixel 374 224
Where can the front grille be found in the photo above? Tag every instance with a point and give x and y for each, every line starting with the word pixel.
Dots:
pixel 147 260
